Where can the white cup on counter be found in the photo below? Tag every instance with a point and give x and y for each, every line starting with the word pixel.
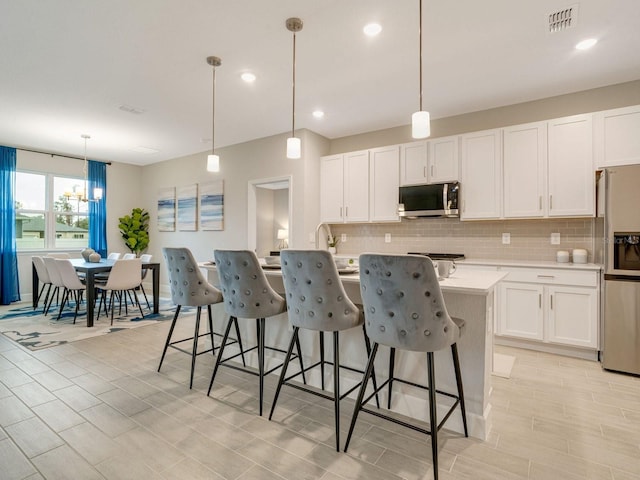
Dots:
pixel 446 268
pixel 580 255
pixel 562 256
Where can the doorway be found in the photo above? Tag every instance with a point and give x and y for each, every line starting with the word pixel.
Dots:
pixel 270 217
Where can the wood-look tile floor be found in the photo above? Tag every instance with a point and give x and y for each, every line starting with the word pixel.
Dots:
pixel 97 408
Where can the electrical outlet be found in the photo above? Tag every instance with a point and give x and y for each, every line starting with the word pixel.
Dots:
pixel 387 238
pixel 506 238
pixel 343 237
pixel 555 239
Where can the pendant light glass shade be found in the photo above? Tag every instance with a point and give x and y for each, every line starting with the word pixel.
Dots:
pixel 213 163
pixel 213 160
pixel 294 148
pixel 420 120
pixel 420 125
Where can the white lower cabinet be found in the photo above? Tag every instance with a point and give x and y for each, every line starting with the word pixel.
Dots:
pixel 548 309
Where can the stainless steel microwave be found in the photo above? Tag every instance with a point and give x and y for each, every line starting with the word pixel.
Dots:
pixel 433 200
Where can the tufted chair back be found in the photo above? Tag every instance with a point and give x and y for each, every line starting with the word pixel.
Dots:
pixel 403 303
pixel 188 285
pixel 246 291
pixel 316 299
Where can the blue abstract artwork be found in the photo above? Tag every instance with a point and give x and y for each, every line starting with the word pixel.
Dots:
pixel 211 205
pixel 167 209
pixel 187 207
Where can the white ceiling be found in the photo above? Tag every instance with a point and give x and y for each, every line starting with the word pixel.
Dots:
pixel 66 66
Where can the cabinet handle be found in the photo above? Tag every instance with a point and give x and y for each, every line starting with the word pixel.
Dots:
pixel 550 202
pixel 551 298
pixel 346 212
pixel 432 170
pixel 340 212
pixel 540 202
pixel 539 300
pixel 546 276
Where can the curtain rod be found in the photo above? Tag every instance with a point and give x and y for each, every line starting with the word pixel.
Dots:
pixel 59 155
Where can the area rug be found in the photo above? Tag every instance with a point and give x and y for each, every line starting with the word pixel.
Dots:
pixel 502 365
pixel 35 331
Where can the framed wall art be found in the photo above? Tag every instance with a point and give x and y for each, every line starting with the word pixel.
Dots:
pixel 211 205
pixel 187 207
pixel 167 209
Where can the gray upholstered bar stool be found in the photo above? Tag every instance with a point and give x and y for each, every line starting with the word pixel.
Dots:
pixel 247 294
pixel 405 309
pixel 316 300
pixel 189 288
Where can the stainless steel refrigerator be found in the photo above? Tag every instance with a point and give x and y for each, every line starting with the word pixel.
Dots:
pixel 620 250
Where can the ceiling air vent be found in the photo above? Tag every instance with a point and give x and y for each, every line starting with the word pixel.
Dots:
pixel 130 109
pixel 562 19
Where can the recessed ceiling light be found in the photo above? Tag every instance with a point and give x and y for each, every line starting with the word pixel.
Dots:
pixel 372 29
pixel 248 77
pixel 586 44
pixel 318 113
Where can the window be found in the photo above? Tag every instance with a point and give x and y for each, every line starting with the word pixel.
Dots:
pixel 50 212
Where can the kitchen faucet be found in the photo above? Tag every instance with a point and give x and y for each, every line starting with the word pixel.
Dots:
pixel 326 227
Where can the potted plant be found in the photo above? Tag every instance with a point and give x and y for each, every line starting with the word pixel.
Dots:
pixel 134 229
pixel 332 242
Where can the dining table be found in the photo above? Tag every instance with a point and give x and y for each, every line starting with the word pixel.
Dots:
pixel 90 269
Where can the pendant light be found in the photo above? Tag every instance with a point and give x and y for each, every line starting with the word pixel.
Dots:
pixel 420 121
pixel 293 143
pixel 213 160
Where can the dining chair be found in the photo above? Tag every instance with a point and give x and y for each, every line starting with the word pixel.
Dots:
pixel 189 288
pixel 56 280
pixel 72 285
pixel 247 294
pixel 128 256
pixel 43 277
pixel 58 255
pixel 124 277
pixel 114 256
pixel 317 301
pixel 404 309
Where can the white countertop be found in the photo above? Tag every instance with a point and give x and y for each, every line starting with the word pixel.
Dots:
pixel 475 282
pixel 530 264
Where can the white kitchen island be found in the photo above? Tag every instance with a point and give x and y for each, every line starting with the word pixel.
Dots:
pixel 468 295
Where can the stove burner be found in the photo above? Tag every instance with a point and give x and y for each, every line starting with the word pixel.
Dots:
pixel 440 256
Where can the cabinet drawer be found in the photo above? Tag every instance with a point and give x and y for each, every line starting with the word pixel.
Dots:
pixel 552 277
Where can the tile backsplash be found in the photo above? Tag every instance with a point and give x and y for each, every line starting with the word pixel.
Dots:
pixel 530 239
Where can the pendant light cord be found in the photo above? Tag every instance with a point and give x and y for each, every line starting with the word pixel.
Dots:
pixel 213 113
pixel 420 49
pixel 293 108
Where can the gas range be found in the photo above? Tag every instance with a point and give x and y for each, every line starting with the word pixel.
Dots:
pixel 440 256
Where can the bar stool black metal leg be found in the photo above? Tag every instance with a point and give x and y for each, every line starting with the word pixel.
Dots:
pixel 235 322
pixel 433 417
pixel 283 372
pixel 336 385
pixel 213 346
pixel 304 378
pixel 392 363
pixel 166 345
pixel 367 344
pixel 363 387
pixel 456 366
pixel 321 359
pixel 220 352
pixel 194 352
pixel 261 360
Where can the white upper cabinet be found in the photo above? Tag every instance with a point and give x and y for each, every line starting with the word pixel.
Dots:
pixel 617 137
pixel 433 161
pixel 413 163
pixel 360 186
pixel 356 186
pixel 332 189
pixel 443 159
pixel 525 170
pixel 481 180
pixel 384 181
pixel 571 184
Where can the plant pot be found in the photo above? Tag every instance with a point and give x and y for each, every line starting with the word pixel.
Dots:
pixel 332 250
